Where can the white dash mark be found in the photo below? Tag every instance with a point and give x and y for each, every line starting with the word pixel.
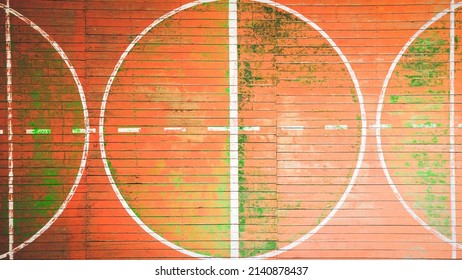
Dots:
pixel 38 131
pixel 218 128
pixel 250 128
pixel 380 126
pixel 424 125
pixel 452 151
pixel 177 129
pixel 293 127
pixel 82 130
pixel 1 131
pixel 9 91
pixel 233 130
pixel 335 127
pixel 129 130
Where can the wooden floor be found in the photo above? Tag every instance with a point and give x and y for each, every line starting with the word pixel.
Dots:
pixel 142 130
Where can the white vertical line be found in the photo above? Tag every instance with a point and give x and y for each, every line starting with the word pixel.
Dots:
pixel 9 92
pixel 233 131
pixel 451 130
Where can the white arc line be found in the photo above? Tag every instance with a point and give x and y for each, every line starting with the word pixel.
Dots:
pixel 124 203
pixel 233 130
pixel 452 157
pixel 86 146
pixel 363 132
pixel 379 116
pixel 9 90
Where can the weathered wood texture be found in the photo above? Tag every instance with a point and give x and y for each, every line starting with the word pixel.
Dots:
pixel 312 77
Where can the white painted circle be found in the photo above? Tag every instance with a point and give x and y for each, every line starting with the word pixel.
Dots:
pixel 83 161
pixel 299 240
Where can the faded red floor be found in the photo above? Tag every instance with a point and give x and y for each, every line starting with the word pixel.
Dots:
pixel 177 76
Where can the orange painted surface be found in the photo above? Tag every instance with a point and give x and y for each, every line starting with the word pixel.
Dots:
pixel 177 181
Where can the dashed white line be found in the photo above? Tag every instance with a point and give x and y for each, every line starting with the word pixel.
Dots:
pixel 1 131
pixel 178 129
pixel 129 130
pixel 82 130
pixel 381 126
pixel 226 128
pixel 335 127
pixel 292 127
pixel 218 128
pixel 38 131
pixel 424 125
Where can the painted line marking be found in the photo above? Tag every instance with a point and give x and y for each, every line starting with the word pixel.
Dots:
pixel 424 125
pixel 249 128
pixel 218 128
pixel 335 127
pixel 9 90
pixel 233 130
pixel 292 127
pixel 129 130
pixel 226 128
pixel 38 131
pixel 1 131
pixel 82 130
pixel 178 129
pixel 460 125
pixel 382 126
pixel 452 151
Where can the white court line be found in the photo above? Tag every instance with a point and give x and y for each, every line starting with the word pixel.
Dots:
pixel 452 151
pixel 1 131
pixel 129 130
pixel 83 161
pixel 83 130
pixel 233 130
pixel 292 127
pixel 379 115
pixel 38 131
pixel 179 129
pixel 9 90
pixel 335 127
